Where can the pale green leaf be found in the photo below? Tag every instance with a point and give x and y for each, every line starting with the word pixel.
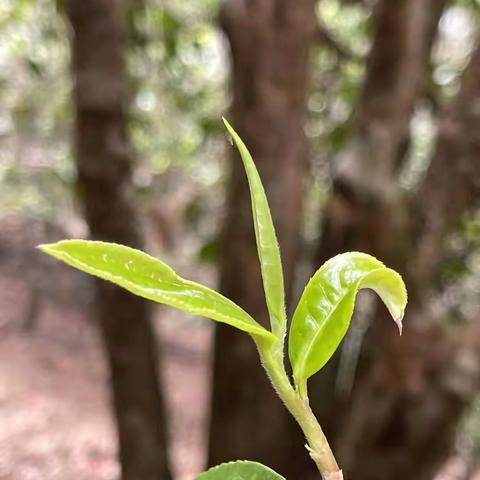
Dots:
pixel 267 244
pixel 240 470
pixel 323 314
pixel 150 278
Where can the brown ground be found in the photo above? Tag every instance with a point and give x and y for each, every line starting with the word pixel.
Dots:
pixel 55 422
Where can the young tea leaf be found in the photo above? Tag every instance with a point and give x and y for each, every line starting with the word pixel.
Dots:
pixel 267 244
pixel 150 278
pixel 323 313
pixel 240 470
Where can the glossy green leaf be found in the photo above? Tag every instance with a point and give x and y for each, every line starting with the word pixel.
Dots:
pixel 267 244
pixel 150 278
pixel 240 470
pixel 324 311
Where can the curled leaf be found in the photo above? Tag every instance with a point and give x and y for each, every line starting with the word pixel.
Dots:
pixel 150 278
pixel 323 314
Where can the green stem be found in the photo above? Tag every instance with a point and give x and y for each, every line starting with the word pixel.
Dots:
pixel 318 446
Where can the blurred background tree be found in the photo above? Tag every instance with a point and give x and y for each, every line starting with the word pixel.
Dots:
pixel 363 119
pixel 103 161
pixel 270 46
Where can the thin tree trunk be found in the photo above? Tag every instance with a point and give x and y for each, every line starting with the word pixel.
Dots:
pixel 364 174
pixel 104 171
pixel 270 42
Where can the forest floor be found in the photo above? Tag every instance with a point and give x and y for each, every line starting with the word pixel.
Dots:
pixel 55 420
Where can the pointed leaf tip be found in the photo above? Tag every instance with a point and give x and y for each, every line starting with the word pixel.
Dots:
pixel 44 247
pixel 399 322
pixel 267 244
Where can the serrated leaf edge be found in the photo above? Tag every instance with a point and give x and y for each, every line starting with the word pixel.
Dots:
pixel 50 249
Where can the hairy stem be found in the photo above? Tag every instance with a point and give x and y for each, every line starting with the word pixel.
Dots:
pixel 318 446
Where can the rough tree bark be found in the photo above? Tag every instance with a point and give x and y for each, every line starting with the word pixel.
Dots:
pixel 410 392
pixel 364 174
pixel 104 169
pixel 270 42
pixel 365 198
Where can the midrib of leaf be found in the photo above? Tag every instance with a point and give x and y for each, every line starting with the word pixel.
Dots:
pixel 174 279
pixel 317 333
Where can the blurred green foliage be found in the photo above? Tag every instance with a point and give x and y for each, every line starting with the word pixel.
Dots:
pixel 35 115
pixel 178 66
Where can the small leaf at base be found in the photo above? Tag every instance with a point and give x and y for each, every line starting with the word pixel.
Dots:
pixel 240 470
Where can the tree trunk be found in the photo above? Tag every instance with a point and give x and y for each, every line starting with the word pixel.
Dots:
pixel 104 171
pixel 365 199
pixel 364 175
pixel 409 392
pixel 270 42
pixel 412 392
